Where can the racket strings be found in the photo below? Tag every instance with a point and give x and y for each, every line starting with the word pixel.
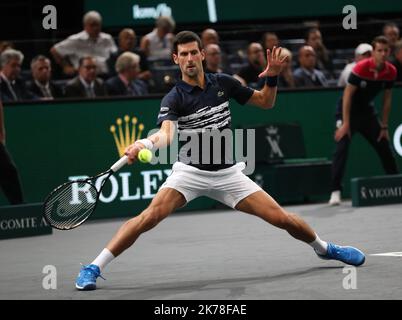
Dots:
pixel 64 211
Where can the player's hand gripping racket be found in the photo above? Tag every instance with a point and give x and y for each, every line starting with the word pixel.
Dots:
pixel 64 212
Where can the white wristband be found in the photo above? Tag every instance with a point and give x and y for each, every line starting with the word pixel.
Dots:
pixel 147 143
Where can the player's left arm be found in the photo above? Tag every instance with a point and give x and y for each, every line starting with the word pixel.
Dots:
pixel 265 98
pixel 386 109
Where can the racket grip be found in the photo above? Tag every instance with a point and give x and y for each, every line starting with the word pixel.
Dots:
pixel 119 164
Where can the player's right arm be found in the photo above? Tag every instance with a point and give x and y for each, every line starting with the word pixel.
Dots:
pixel 164 136
pixel 167 119
pixel 160 139
pixel 348 93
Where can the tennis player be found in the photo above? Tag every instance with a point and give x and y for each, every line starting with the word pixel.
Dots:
pixel 199 102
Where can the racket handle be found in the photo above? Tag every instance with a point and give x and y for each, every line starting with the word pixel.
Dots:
pixel 119 164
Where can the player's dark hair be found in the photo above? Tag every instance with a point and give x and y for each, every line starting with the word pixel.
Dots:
pixel 184 37
pixel 380 39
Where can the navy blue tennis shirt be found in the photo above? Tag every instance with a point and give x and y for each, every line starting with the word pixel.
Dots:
pixel 198 111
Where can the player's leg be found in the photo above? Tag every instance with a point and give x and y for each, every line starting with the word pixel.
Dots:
pixel 264 206
pixel 370 129
pixel 238 191
pixel 165 202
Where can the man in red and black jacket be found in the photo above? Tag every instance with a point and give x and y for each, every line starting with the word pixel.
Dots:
pixel 356 113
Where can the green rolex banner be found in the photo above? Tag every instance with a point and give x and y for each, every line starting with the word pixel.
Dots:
pixel 58 141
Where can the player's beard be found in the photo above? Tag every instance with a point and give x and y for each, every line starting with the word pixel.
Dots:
pixel 192 73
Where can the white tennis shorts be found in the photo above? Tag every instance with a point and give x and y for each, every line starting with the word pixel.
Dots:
pixel 228 186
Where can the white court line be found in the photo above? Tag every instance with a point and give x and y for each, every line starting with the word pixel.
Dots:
pixel 388 254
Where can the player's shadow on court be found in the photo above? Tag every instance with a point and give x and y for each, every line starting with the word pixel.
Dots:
pixel 236 286
pixel 327 211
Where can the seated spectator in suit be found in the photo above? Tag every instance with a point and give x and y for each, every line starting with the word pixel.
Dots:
pixel 324 61
pixel 12 88
pixel 248 75
pixel 307 75
pixel 127 42
pixel 41 85
pixel 285 79
pixel 126 83
pixel 158 44
pixel 270 40
pixel 86 84
pixel 391 32
pixel 397 60
pixel 362 51
pixel 209 36
pixel 213 59
pixel 89 42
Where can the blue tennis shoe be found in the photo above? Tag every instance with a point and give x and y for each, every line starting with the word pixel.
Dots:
pixel 86 279
pixel 348 255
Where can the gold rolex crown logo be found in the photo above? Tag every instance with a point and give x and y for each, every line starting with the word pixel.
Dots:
pixel 123 137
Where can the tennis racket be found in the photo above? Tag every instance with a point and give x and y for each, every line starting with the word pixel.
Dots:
pixel 65 208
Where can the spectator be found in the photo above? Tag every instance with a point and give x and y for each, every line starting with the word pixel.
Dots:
pixel 307 75
pixel 397 61
pixel 270 40
pixel 4 45
pixel 9 180
pixel 209 36
pixel 391 32
pixel 41 85
pixel 86 84
pixel 213 59
pixel 285 79
pixel 248 75
pixel 158 44
pixel 126 83
pixel 324 61
pixel 12 88
pixel 362 51
pixel 89 42
pixel 128 42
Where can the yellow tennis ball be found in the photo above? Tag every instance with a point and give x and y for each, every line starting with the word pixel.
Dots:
pixel 145 155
